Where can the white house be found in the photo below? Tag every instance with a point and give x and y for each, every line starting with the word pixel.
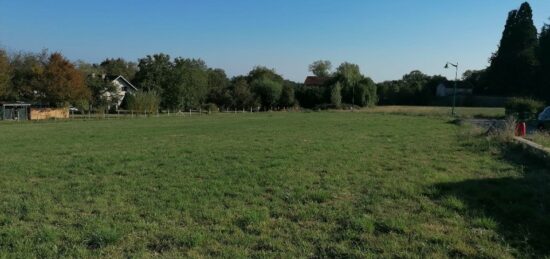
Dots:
pixel 123 87
pixel 443 90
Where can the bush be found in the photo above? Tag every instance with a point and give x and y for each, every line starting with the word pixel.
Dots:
pixel 268 91
pixel 336 95
pixel 523 108
pixel 311 96
pixel 211 107
pixel 147 102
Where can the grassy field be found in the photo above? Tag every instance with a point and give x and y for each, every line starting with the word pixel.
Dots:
pixel 464 112
pixel 327 184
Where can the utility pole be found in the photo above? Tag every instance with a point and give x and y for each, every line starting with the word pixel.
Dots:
pixel 455 86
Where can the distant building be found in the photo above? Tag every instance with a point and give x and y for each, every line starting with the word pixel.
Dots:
pixel 123 86
pixel 14 111
pixel 444 90
pixel 20 111
pixel 316 81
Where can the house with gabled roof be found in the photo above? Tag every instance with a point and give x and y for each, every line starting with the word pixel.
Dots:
pixel 123 86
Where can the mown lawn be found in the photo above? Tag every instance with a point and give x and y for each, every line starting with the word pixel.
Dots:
pixel 328 184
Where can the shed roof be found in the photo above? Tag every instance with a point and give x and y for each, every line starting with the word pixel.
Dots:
pixel 14 104
pixel 315 80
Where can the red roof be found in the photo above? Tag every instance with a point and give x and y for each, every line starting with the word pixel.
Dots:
pixel 316 81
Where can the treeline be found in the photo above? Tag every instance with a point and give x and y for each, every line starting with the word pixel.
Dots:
pixel 414 88
pixel 190 84
pixel 172 84
pixel 346 86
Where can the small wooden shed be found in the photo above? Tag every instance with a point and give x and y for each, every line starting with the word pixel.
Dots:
pixel 15 111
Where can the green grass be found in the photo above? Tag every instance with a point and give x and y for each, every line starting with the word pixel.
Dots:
pixel 326 184
pixel 542 138
pixel 463 112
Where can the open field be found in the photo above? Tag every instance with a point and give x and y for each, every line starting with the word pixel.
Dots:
pixel 326 184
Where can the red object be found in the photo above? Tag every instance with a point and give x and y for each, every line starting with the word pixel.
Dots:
pixel 521 129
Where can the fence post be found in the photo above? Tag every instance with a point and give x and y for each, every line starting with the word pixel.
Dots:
pixel 189 112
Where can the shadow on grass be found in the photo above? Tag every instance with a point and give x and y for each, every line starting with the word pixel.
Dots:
pixel 517 208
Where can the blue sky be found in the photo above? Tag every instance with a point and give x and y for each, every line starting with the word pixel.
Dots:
pixel 386 38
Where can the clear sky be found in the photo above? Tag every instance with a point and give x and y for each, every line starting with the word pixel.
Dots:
pixel 386 38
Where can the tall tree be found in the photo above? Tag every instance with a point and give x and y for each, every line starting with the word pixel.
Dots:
pixel 268 91
pixel 544 59
pixel 242 93
pixel 28 69
pixel 349 75
pixel 154 72
pixel 336 95
pixel 5 74
pixel 260 72
pixel 513 65
pixel 218 88
pixel 287 95
pixel 321 68
pixel 369 95
pixel 62 82
pixel 192 81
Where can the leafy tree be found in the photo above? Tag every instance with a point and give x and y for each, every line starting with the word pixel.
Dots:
pixel 512 66
pixel 368 92
pixel 191 82
pixel 311 96
pixel 218 87
pixel 349 75
pixel 62 82
pixel 242 93
pixel 336 95
pixel 88 69
pixel 321 68
pixel 154 72
pixel 5 74
pixel 476 80
pixel 27 71
pixel 147 102
pixel 287 96
pixel 268 91
pixel 119 66
pixel 260 73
